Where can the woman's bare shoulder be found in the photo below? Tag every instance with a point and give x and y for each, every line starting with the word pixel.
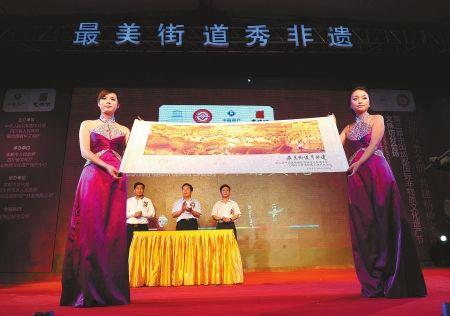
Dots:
pixel 88 124
pixel 123 128
pixel 376 118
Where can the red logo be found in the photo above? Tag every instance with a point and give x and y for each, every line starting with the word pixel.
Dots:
pixel 259 114
pixel 202 116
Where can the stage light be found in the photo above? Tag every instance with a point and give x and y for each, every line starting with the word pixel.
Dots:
pixel 440 251
pixel 249 80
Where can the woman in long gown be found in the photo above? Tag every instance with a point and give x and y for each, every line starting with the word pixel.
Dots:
pixel 95 269
pixel 385 257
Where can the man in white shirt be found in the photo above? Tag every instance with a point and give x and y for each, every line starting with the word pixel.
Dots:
pixel 139 210
pixel 226 211
pixel 186 210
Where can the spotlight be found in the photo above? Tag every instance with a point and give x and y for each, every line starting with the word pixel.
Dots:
pixel 249 80
pixel 440 251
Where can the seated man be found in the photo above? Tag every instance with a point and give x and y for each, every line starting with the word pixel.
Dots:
pixel 187 209
pixel 226 211
pixel 139 210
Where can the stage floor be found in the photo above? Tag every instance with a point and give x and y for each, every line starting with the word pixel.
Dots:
pixel 302 292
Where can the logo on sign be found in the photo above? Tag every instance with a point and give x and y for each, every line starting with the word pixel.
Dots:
pixel 202 116
pixel 177 114
pixel 403 100
pixel 259 114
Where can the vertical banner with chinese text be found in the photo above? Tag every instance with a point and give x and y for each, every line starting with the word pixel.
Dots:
pixel 33 125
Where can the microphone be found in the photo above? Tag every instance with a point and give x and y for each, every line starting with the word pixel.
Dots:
pixel 120 174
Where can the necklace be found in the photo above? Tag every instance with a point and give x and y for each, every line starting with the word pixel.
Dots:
pixel 362 118
pixel 106 120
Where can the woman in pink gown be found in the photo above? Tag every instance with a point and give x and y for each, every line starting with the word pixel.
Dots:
pixel 95 269
pixel 385 257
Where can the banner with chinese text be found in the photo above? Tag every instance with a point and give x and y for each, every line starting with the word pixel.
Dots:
pixel 33 125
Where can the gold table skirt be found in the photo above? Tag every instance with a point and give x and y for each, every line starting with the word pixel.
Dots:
pixel 173 258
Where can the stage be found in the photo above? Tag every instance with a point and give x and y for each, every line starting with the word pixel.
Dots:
pixel 301 292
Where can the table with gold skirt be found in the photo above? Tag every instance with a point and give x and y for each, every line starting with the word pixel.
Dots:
pixel 190 257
